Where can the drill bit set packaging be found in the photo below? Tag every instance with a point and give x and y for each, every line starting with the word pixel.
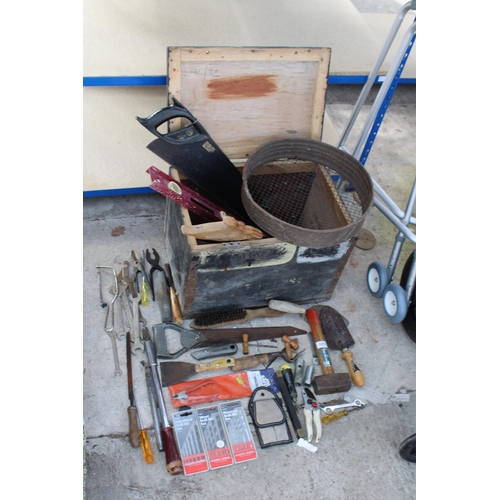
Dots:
pixel 213 437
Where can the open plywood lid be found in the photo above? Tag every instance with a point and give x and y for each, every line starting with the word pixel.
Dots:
pixel 246 96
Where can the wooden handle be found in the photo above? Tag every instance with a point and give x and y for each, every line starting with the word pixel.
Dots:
pixel 174 461
pixel 175 307
pixel 244 339
pixel 319 341
pixel 133 427
pixel 287 307
pixel 287 340
pixel 288 350
pixel 356 374
pixel 250 362
pixel 217 364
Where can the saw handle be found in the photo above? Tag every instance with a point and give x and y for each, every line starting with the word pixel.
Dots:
pixel 356 374
pixel 163 115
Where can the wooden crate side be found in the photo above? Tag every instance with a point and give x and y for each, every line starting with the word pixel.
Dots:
pixel 250 277
pixel 245 97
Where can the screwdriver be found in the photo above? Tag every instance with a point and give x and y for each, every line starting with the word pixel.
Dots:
pixel 144 293
pixel 146 445
pixel 286 371
pixel 334 416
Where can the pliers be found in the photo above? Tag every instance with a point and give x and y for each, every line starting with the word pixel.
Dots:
pixel 155 266
pixel 311 414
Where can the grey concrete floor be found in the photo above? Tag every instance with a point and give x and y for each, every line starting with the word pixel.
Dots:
pixel 358 456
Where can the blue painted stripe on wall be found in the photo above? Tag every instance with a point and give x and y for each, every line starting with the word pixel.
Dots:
pixel 146 81
pixel 118 192
pixel 123 81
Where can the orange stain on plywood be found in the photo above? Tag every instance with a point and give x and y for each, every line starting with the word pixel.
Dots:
pixel 242 87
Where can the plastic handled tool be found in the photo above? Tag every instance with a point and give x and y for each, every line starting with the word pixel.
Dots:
pixel 289 404
pixel 311 414
pixel 173 457
pixel 145 444
pixel 144 292
pixel 286 371
pixel 334 416
pixel 133 428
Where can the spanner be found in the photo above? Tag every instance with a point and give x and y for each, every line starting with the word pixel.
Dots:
pixel 136 322
pixel 110 329
pixel 136 344
pixel 136 262
pixel 329 409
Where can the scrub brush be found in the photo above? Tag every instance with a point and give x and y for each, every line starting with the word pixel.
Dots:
pixel 232 317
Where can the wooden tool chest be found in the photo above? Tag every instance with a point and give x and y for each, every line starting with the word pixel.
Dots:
pixel 245 97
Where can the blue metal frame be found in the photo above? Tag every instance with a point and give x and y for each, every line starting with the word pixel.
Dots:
pixel 385 104
pixel 147 81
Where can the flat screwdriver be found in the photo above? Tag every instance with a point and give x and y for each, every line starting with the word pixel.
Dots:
pixel 146 445
pixel 334 416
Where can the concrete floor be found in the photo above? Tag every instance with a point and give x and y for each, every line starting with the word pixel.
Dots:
pixel 358 456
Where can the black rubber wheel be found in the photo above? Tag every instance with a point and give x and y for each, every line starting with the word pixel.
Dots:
pixel 408 449
pixel 410 320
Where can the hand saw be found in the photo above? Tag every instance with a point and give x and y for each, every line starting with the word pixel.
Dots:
pixel 193 152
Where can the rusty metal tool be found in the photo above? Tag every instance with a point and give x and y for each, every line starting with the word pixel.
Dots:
pixel 160 290
pixel 133 424
pixel 214 336
pixel 173 458
pixel 154 262
pixel 339 338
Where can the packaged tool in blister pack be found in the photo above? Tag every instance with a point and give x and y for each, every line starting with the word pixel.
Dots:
pixel 191 446
pixel 209 389
pixel 232 386
pixel 238 431
pixel 215 437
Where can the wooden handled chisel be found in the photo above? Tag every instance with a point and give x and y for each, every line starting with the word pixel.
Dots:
pixel 133 432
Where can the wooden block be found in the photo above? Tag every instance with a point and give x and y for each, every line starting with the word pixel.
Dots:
pixel 333 382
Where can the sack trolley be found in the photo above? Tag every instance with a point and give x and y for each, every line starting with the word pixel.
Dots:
pixel 399 300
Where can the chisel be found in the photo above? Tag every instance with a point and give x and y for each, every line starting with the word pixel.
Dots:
pixel 133 428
